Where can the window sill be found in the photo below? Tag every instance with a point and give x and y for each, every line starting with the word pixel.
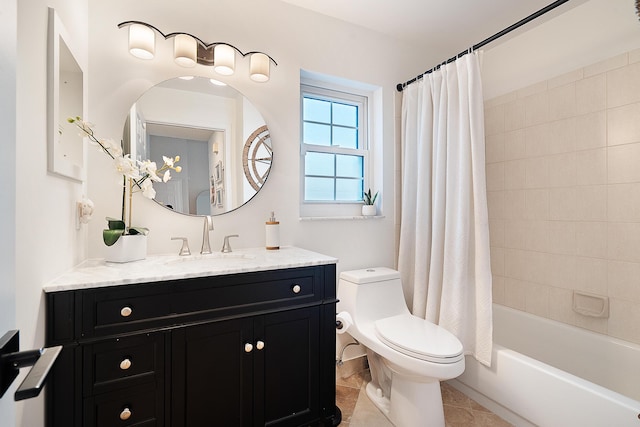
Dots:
pixel 340 218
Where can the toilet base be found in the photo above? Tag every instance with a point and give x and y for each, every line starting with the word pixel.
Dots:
pixel 412 404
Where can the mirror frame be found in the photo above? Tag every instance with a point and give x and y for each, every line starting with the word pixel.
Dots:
pixel 65 157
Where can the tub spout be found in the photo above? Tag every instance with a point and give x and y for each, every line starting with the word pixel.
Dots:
pixel 208 226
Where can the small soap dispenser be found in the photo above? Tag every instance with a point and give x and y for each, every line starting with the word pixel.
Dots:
pixel 273 233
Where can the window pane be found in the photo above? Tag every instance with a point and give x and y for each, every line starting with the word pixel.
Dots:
pixel 345 137
pixel 345 115
pixel 349 166
pixel 316 134
pixel 349 189
pixel 316 110
pixel 318 188
pixel 319 164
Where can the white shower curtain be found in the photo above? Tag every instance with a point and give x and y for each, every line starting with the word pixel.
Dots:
pixel 444 231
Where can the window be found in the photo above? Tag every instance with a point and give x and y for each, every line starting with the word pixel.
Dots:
pixel 333 145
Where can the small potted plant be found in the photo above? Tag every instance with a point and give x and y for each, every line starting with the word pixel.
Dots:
pixel 369 207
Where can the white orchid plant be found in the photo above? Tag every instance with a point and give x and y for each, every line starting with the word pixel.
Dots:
pixel 137 176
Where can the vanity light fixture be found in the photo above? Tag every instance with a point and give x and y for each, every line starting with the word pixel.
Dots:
pixel 189 50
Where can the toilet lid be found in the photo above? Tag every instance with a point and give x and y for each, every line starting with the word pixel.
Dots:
pixel 419 338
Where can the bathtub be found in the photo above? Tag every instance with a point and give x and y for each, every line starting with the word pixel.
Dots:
pixel 570 377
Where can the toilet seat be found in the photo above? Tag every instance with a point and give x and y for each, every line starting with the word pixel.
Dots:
pixel 419 338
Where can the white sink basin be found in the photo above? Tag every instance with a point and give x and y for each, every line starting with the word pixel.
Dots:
pixel 209 259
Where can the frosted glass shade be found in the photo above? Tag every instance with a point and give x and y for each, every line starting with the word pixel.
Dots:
pixel 142 41
pixel 185 49
pixel 224 59
pixel 259 67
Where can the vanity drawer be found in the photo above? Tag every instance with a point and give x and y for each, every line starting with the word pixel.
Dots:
pixel 108 311
pixel 138 407
pixel 123 362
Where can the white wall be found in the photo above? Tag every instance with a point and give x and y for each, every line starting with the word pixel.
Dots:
pixel 46 242
pixel 8 44
pixel 297 40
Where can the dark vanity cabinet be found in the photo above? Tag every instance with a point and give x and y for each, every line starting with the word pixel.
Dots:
pixel 248 349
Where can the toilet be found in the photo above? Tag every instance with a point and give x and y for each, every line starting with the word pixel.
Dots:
pixel 408 356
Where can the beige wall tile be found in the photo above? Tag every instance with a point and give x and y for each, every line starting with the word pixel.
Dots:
pixel 591 275
pixel 514 204
pixel 591 130
pixel 495 204
pixel 623 126
pixel 561 271
pixel 634 56
pixel 536 204
pixel 514 115
pixel 494 120
pixel 537 140
pixel 537 172
pixel 537 299
pixel 560 305
pixel 515 233
pixel 622 241
pixel 562 136
pixel 591 94
pixel 494 148
pixel 624 320
pixel 500 100
pixel 514 145
pixel 514 174
pixel 623 202
pixel 562 237
pixel 606 65
pixel 623 279
pixel 591 203
pixel 515 294
pixel 562 102
pixel 497 289
pixel 496 232
pixel 563 204
pixel 537 238
pixel 591 239
pixel 623 86
pixel 623 163
pixel 563 170
pixel 537 109
pixel 497 261
pixel 564 79
pixel 591 167
pixel 495 176
pixel 532 89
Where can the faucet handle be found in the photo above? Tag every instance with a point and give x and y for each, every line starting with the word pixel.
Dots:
pixel 226 247
pixel 184 250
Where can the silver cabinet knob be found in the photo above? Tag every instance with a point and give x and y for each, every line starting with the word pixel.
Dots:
pixel 296 289
pixel 260 345
pixel 126 311
pixel 125 414
pixel 248 347
pixel 125 364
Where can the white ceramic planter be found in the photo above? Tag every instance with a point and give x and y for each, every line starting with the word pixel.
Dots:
pixel 127 248
pixel 369 210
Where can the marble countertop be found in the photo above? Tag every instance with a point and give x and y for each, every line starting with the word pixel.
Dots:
pixel 94 273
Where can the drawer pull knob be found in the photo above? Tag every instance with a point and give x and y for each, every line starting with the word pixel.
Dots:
pixel 260 345
pixel 125 414
pixel 126 311
pixel 248 347
pixel 296 289
pixel 125 364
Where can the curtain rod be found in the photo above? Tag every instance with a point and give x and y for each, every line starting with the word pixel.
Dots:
pixel 488 40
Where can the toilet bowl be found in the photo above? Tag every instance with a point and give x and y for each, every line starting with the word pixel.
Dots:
pixel 408 356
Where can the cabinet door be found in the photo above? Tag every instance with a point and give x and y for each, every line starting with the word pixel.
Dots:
pixel 211 374
pixel 287 367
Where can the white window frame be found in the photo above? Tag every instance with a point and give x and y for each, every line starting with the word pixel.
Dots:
pixel 327 91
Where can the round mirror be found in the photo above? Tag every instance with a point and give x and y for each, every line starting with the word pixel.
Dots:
pixel 221 138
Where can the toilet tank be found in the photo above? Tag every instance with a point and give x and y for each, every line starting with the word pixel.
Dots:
pixel 370 294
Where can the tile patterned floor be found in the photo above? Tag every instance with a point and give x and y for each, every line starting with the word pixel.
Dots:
pixel 358 411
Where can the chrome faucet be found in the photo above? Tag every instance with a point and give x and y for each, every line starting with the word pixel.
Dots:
pixel 208 226
pixel 226 247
